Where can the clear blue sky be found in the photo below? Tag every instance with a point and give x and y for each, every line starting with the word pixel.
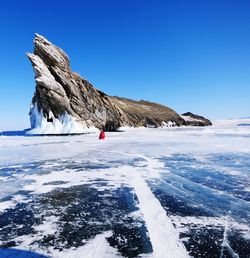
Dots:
pixel 191 55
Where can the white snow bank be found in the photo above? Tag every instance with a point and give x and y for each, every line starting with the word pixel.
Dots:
pixel 163 125
pixel 231 122
pixel 65 124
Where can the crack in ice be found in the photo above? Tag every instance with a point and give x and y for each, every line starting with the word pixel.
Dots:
pixel 162 233
pixel 226 245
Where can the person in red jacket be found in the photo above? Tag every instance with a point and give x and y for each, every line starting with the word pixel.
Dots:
pixel 102 135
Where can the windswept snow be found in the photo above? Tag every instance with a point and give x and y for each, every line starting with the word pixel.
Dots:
pixel 164 237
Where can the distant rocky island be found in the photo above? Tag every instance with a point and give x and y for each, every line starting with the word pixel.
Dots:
pixel 64 102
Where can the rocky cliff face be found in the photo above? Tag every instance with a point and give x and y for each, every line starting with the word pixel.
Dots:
pixel 63 101
pixel 66 103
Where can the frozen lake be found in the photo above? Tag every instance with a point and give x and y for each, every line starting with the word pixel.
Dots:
pixel 173 192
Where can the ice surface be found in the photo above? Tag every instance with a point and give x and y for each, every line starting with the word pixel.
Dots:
pixel 169 192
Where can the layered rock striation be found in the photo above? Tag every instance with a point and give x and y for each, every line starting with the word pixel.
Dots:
pixel 64 102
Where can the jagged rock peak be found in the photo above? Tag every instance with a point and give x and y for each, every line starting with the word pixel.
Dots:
pixel 50 54
pixel 63 101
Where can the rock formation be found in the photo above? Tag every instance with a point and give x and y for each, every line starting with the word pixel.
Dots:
pixel 64 102
pixel 195 120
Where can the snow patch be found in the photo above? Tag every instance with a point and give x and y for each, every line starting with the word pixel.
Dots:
pixel 163 236
pixel 12 203
pixel 191 119
pixel 97 247
pixel 168 124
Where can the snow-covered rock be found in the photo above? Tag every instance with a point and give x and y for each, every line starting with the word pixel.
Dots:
pixel 195 120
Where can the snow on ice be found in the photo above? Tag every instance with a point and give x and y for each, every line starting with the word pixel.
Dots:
pixel 166 192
